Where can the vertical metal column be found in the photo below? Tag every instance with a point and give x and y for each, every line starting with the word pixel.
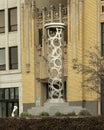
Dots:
pixel 55 61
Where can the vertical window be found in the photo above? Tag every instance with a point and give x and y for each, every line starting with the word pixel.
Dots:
pixel 102 39
pixel 12 17
pixel 2 59
pixel 13 57
pixel 12 93
pixel 40 37
pixel 16 93
pixel 2 21
pixel 2 95
pixel 65 35
pixel 6 93
pixel 102 8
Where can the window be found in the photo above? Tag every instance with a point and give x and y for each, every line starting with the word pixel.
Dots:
pixel 102 39
pixel 2 21
pixel 9 97
pixel 16 93
pixel 2 59
pixel 9 94
pixel 12 93
pixel 102 8
pixel 2 95
pixel 13 57
pixel 12 17
pixel 6 93
pixel 65 35
pixel 40 31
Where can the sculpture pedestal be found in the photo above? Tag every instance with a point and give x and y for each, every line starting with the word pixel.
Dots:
pixel 52 108
pixel 60 100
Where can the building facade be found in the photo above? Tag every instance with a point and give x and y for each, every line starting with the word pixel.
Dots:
pixel 10 57
pixel 24 51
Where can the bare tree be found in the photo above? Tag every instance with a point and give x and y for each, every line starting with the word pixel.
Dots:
pixel 93 72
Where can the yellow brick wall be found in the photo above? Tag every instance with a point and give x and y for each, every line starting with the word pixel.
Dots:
pixel 90 35
pixel 28 74
pixel 74 85
pixel 86 40
pixel 28 79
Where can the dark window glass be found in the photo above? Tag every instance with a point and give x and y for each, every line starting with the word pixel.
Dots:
pixel 102 39
pixel 2 109
pixel 2 95
pixel 102 96
pixel 40 37
pixel 16 93
pixel 65 35
pixel 12 17
pixel 2 59
pixel 9 97
pixel 2 21
pixel 12 93
pixel 9 94
pixel 102 8
pixel 13 58
pixel 9 109
pixel 6 93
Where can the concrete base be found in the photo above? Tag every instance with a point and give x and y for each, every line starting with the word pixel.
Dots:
pixel 52 108
pixel 60 100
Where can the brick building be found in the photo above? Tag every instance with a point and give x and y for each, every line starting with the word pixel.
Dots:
pixel 24 51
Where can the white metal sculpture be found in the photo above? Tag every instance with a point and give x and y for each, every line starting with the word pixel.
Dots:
pixel 13 112
pixel 55 60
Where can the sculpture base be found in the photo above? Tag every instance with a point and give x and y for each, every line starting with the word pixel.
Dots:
pixel 60 100
pixel 52 108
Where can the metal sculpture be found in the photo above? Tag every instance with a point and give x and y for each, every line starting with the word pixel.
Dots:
pixel 13 112
pixel 55 61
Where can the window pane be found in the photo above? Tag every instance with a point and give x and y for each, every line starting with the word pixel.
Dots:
pixel 2 21
pixel 2 59
pixel 40 37
pixel 11 93
pixel 2 109
pixel 65 35
pixel 10 109
pixel 102 39
pixel 7 93
pixel 102 8
pixel 6 103
pixel 102 49
pixel 2 56
pixel 2 94
pixel 16 93
pixel 12 19
pixel 102 27
pixel 13 58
